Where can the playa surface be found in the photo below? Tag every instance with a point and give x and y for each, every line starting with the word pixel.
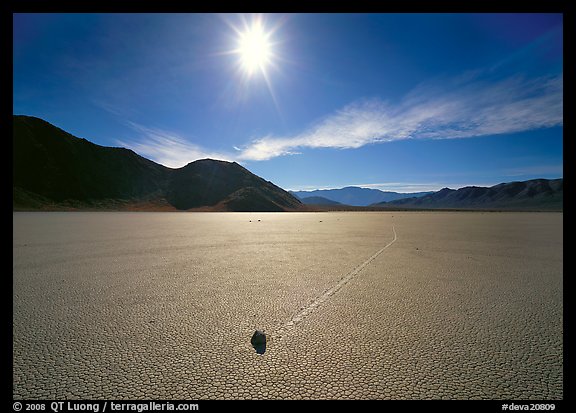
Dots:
pixel 355 305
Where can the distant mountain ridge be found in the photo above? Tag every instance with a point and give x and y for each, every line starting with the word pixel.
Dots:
pixel 318 200
pixel 535 194
pixel 52 168
pixel 356 196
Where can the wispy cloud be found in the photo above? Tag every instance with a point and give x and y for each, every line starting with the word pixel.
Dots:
pixel 463 108
pixel 167 148
pixel 118 110
pixel 538 170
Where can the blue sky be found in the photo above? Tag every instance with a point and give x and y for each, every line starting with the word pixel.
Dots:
pixel 402 102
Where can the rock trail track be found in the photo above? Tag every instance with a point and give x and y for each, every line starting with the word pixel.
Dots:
pixel 279 334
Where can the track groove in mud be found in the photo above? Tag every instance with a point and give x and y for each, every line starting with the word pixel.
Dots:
pixel 306 311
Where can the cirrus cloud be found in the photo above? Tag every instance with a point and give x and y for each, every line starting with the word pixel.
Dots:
pixel 470 108
pixel 167 148
pixel 464 107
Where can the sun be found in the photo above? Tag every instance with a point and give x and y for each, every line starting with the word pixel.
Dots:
pixel 255 48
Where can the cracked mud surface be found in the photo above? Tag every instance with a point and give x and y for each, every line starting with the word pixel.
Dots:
pixel 163 305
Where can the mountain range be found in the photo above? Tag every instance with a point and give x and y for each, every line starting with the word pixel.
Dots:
pixel 535 194
pixel 356 196
pixel 53 169
pixel 318 200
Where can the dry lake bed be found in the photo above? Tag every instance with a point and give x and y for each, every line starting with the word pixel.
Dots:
pixel 355 305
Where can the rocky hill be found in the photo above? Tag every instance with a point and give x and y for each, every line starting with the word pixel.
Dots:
pixel 53 169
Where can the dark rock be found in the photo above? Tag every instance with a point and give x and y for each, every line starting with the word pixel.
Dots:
pixel 258 338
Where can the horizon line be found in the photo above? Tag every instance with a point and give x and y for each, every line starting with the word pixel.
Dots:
pixel 408 188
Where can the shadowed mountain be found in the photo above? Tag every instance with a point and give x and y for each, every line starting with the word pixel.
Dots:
pixel 209 183
pixel 356 196
pixel 55 165
pixel 318 200
pixel 54 169
pixel 536 194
